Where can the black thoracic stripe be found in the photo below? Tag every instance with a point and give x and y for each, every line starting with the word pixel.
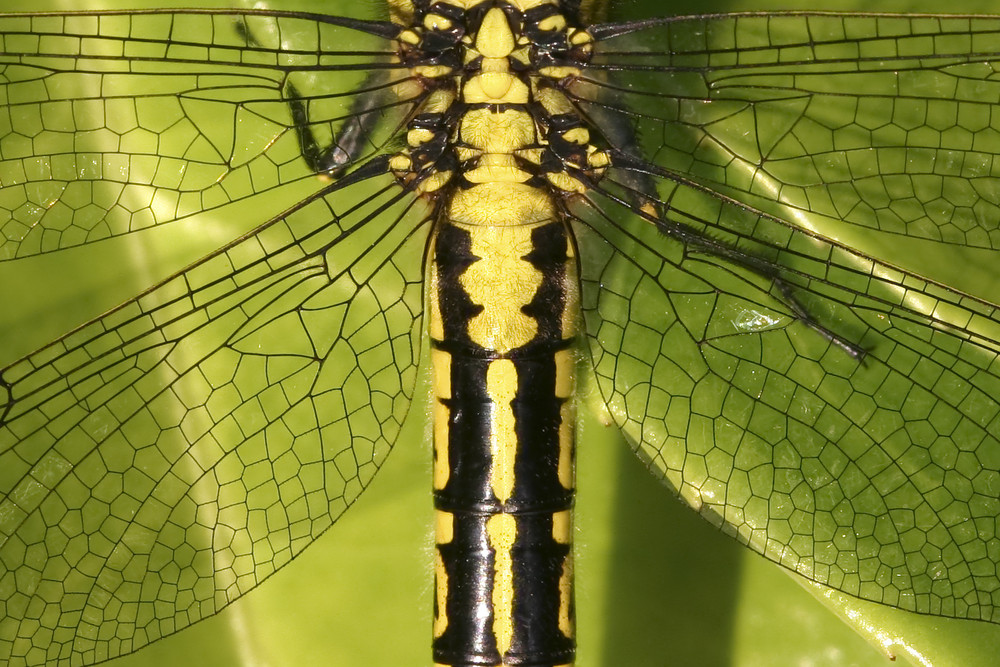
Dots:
pixel 549 255
pixel 469 456
pixel 537 414
pixel 468 486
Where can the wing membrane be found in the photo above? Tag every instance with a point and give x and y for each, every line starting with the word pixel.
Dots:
pixel 740 377
pixel 874 476
pixel 883 122
pixel 114 122
pixel 175 452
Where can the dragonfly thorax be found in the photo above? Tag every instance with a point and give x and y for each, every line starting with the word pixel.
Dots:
pixel 498 127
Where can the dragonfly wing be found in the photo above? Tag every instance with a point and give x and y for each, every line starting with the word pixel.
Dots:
pixel 884 122
pixel 876 476
pixel 165 458
pixel 739 376
pixel 115 122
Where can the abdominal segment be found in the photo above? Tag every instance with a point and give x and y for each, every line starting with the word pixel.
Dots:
pixel 502 334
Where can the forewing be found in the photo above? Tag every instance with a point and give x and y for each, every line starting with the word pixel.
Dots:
pixel 882 122
pixel 162 460
pixel 115 122
pixel 728 334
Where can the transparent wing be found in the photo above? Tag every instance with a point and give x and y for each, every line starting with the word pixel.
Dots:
pixel 882 122
pixel 726 344
pixel 740 376
pixel 114 122
pixel 162 460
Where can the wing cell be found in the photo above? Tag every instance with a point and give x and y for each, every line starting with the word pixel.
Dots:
pixel 875 475
pixel 165 458
pixel 114 122
pixel 885 122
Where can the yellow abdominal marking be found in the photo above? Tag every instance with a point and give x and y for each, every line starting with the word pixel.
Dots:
pixel 562 532
pixel 503 283
pixel 502 530
pixel 565 388
pixel 501 387
pixel 441 362
pixel 444 533
pixel 435 325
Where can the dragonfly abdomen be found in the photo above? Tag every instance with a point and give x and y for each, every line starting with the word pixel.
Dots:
pixel 503 473
pixel 489 146
pixel 504 299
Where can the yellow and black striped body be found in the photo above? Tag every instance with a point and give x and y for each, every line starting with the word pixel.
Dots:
pixel 503 296
pixel 503 443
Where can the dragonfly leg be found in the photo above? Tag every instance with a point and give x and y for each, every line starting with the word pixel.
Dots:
pixel 639 187
pixel 348 143
pixel 803 315
pixel 353 136
pixel 634 171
